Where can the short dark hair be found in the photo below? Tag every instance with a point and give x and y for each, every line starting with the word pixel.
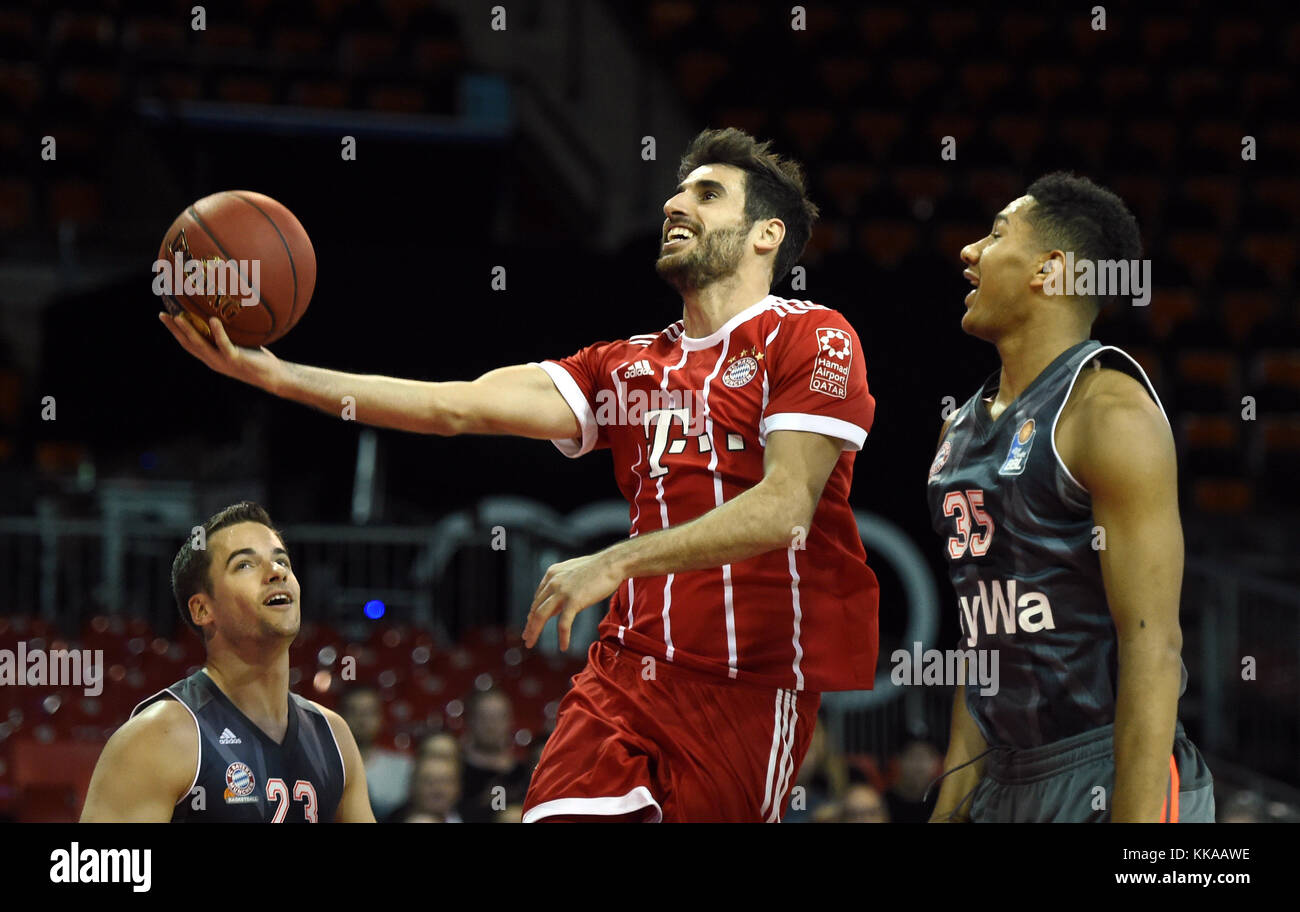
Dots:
pixel 1070 212
pixel 190 568
pixel 774 187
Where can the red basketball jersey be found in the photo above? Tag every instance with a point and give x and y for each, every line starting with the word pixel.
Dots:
pixel 686 420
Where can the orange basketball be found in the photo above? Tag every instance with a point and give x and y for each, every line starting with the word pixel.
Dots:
pixel 240 256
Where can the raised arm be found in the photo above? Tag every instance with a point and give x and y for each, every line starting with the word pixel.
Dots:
pixel 1119 447
pixel 519 400
pixel 145 769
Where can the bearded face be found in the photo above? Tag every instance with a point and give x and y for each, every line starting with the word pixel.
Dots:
pixel 702 258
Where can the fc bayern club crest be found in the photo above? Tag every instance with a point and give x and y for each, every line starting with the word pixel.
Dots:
pixel 940 458
pixel 239 781
pixel 740 372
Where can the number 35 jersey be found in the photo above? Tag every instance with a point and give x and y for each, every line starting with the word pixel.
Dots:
pixel 687 420
pixel 1017 531
pixel 242 776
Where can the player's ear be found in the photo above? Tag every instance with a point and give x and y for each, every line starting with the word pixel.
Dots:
pixel 770 235
pixel 200 607
pixel 1050 273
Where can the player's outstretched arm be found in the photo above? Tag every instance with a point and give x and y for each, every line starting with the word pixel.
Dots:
pixel 519 400
pixel 354 806
pixel 1119 446
pixel 767 517
pixel 145 769
pixel 965 745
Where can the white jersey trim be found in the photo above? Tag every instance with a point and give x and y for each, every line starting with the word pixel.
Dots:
pixel 637 799
pixel 198 729
pixel 780 763
pixel 695 344
pixel 1070 389
pixel 852 435
pixel 312 705
pixel 728 603
pixel 572 447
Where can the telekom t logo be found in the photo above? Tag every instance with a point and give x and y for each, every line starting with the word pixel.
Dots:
pixel 663 421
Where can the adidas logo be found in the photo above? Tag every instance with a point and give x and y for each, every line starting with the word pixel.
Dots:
pixel 639 368
pixel 228 737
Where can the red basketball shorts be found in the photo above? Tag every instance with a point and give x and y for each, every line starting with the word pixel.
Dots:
pixel 644 738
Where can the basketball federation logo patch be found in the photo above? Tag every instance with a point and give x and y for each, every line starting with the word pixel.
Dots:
pixel 830 373
pixel 1018 455
pixel 239 784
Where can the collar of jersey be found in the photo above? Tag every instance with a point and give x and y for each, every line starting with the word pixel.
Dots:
pixel 713 338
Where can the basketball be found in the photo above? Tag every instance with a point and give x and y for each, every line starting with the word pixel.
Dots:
pixel 240 256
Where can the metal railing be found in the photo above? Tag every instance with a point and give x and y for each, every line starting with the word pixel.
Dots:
pixel 480 566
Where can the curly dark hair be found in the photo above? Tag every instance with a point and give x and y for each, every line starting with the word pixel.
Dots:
pixel 190 568
pixel 1072 213
pixel 774 187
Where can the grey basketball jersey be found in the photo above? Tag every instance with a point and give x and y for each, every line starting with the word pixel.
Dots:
pixel 243 776
pixel 1018 535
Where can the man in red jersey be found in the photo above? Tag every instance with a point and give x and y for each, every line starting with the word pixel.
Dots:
pixel 742 592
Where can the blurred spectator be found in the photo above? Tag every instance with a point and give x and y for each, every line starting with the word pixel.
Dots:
pixel 435 789
pixel 513 813
pixel 918 765
pixel 440 744
pixel 1243 807
pixel 863 804
pixel 821 777
pixel 388 773
pixel 494 776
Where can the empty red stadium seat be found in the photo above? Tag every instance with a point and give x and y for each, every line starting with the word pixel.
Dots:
pixel 15 205
pixel 877 130
pixel 1244 311
pixel 1019 135
pixel 880 26
pixel 668 17
pixel 953 29
pixel 887 242
pixel 984 78
pixel 843 76
pixel 809 128
pixel 1274 253
pixel 59 765
pixel 1222 495
pixel 21 85
pixel 1198 252
pixel 697 71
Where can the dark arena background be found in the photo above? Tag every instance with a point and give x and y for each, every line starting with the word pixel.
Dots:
pixel 484 185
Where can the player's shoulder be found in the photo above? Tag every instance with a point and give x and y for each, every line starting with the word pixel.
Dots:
pixel 312 706
pixel 1109 420
pixel 1104 394
pixel 335 721
pixel 791 312
pixel 165 727
pixel 634 345
pixel 670 333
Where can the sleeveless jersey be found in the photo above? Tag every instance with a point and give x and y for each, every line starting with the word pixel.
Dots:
pixel 243 776
pixel 1018 531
